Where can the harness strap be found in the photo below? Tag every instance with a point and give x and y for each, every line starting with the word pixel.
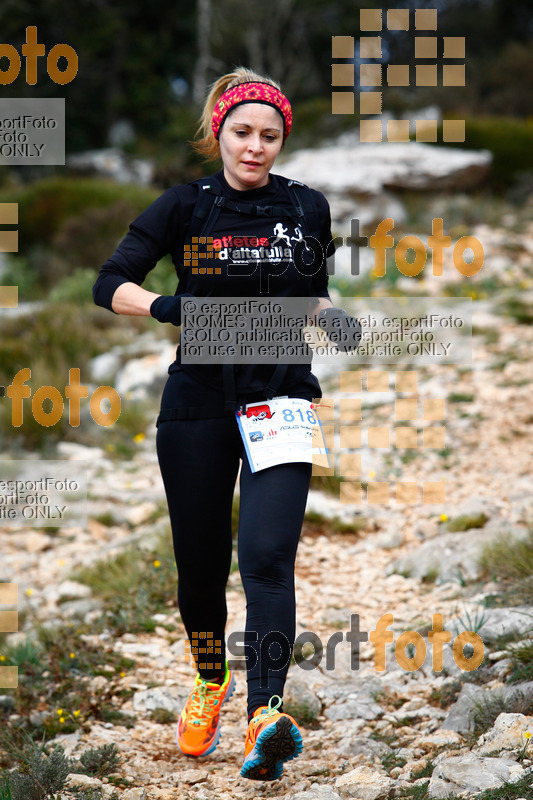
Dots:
pixel 207 209
pixel 260 211
pixel 230 392
pixel 270 391
pixel 276 380
pixel 204 218
pixel 215 410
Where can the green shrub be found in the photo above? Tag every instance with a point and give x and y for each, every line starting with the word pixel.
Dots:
pixel 163 716
pixel 515 308
pixel 163 278
pixel 460 397
pixel 75 288
pixel 99 761
pixel 18 272
pixel 41 774
pixel 466 521
pixel 509 140
pixel 326 483
pixel 90 238
pixel 62 334
pixel 46 205
pixel 446 695
pixel 132 587
pixel 50 342
pixel 235 509
pixel 57 678
pixel 120 439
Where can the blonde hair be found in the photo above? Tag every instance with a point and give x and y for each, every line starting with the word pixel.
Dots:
pixel 207 145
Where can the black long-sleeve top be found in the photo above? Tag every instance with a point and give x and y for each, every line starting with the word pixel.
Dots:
pixel 162 229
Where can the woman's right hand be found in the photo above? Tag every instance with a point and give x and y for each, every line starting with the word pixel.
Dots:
pixel 167 308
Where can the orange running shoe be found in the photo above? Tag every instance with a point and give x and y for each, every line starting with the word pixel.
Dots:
pixel 198 728
pixel 272 738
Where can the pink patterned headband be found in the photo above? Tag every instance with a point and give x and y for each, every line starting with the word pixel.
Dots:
pixel 251 93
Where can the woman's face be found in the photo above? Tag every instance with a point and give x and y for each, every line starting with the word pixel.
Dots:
pixel 250 139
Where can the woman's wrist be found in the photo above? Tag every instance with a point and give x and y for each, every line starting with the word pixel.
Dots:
pixel 129 298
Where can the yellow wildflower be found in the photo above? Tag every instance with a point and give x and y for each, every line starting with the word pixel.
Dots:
pixel 139 437
pixel 157 564
pixel 443 517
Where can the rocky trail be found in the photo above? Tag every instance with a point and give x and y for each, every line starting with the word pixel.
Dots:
pixel 373 733
pixel 368 733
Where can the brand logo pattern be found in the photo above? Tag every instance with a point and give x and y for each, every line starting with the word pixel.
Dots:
pixel 403 434
pixel 373 75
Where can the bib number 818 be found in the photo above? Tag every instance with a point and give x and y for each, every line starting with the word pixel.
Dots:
pixel 288 415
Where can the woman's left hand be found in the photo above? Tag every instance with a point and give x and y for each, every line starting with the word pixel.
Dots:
pixel 343 330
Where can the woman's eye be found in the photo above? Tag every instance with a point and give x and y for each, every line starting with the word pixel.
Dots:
pixel 241 133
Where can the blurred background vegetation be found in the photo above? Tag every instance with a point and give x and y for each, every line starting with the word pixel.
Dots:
pixel 151 69
pixel 143 73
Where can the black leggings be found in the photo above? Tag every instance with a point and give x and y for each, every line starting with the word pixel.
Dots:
pixel 199 461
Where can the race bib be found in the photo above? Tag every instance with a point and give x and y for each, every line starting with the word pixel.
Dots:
pixel 282 430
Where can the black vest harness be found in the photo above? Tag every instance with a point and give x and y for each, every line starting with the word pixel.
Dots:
pixel 211 199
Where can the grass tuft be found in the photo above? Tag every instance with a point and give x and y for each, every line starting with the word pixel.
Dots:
pixel 302 713
pixel 521 655
pixel 511 561
pixel 467 521
pixel 486 711
pixel 99 761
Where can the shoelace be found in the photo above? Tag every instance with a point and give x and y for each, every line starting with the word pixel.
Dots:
pixel 198 700
pixel 271 709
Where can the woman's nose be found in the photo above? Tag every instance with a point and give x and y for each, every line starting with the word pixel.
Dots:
pixel 255 143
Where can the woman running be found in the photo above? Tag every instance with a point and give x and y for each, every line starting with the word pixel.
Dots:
pixel 245 121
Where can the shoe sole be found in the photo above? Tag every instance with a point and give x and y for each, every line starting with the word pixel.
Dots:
pixel 275 745
pixel 229 693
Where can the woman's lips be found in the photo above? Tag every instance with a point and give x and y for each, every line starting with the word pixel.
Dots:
pixel 252 163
